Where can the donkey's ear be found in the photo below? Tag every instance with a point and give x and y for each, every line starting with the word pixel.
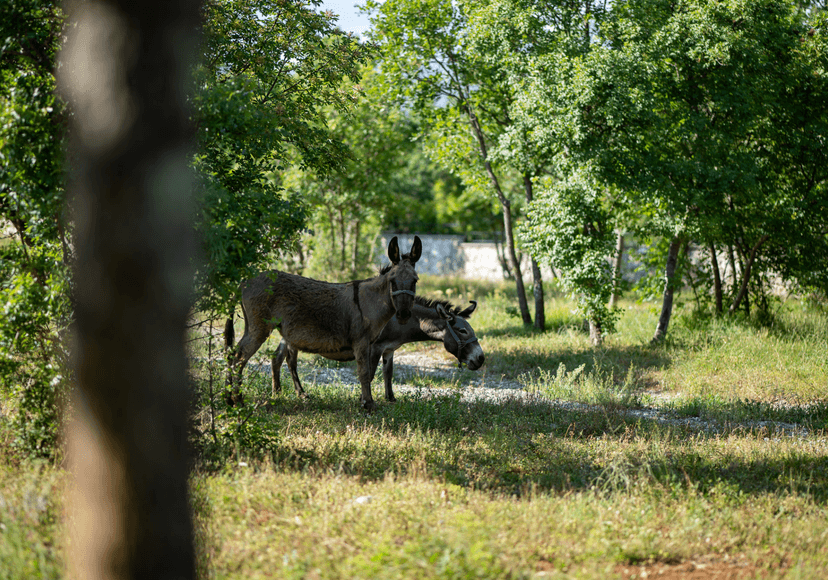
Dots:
pixel 443 313
pixel 416 250
pixel 467 312
pixel 394 251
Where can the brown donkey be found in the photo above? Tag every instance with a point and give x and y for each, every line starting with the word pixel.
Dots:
pixel 326 317
pixel 436 320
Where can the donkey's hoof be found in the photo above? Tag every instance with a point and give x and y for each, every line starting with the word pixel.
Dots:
pixel 368 405
pixel 391 398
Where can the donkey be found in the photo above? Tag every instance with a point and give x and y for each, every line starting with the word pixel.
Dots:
pixel 435 320
pixel 327 317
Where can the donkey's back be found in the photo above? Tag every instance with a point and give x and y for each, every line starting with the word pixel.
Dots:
pixel 315 313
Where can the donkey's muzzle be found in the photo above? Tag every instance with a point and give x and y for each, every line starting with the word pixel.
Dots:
pixel 403 314
pixel 475 363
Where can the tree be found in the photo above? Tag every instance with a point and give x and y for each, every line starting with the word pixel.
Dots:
pixel 682 107
pixel 571 225
pixel 270 69
pixel 124 70
pixel 513 35
pixel 460 99
pixel 350 203
pixel 35 240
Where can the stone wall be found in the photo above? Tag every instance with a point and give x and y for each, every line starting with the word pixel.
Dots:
pixel 450 255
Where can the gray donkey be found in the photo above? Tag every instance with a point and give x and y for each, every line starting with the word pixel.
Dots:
pixel 435 320
pixel 327 317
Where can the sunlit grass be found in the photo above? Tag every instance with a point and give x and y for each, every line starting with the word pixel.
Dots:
pixel 569 483
pixel 31 502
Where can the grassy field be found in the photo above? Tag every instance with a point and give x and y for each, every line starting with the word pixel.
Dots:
pixel 728 481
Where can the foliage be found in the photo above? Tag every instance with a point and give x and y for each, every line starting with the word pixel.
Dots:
pixel 696 112
pixel 34 248
pixel 350 204
pixel 570 225
pixel 460 91
pixel 270 68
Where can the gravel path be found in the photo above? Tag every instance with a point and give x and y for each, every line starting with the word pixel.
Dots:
pixel 476 385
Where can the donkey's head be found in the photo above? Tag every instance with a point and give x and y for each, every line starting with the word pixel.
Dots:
pixel 402 278
pixel 460 339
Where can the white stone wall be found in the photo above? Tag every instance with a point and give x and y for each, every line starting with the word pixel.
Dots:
pixel 449 255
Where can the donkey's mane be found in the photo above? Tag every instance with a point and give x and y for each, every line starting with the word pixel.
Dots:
pixel 433 302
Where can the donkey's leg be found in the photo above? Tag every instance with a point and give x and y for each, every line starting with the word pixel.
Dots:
pixel 388 374
pixel 252 340
pixel 276 368
pixel 373 361
pixel 362 353
pixel 293 358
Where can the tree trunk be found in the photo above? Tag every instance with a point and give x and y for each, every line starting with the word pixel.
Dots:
pixel 505 204
pixel 537 278
pixel 130 136
pixel 229 334
pixel 732 262
pixel 355 256
pixel 717 279
pixel 669 288
pixel 343 248
pixel 596 333
pixel 742 295
pixel 616 270
pixel 537 292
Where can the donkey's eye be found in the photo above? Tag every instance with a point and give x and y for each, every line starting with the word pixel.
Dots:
pixel 462 331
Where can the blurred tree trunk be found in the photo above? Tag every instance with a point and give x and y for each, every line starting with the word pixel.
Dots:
pixel 125 70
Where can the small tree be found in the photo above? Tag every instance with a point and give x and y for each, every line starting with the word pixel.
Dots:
pixel 570 225
pixel 461 99
pixel 349 204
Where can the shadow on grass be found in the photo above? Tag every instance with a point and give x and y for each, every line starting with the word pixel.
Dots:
pixel 514 446
pixel 533 360
pixel 813 416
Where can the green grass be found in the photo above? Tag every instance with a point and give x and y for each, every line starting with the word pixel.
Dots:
pixel 569 484
pixel 31 541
